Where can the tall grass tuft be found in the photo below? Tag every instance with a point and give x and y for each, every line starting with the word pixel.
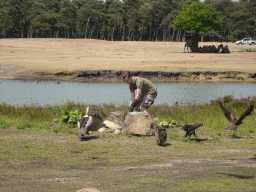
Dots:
pixel 4 124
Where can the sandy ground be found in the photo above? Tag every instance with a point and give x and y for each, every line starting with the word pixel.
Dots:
pixel 55 55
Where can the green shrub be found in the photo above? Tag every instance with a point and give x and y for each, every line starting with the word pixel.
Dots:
pixel 24 124
pixel 4 124
pixel 69 117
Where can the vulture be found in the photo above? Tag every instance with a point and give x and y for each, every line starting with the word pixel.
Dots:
pixel 84 124
pixel 161 135
pixel 191 129
pixel 232 118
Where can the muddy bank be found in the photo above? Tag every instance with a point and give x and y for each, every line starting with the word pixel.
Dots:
pixel 154 76
pixel 115 76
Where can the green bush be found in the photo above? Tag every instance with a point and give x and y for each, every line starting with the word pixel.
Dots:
pixel 24 124
pixel 4 124
pixel 69 117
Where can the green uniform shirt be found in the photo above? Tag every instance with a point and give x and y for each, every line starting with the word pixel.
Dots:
pixel 141 83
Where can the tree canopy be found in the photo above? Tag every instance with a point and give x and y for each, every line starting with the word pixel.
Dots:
pixel 115 20
pixel 197 17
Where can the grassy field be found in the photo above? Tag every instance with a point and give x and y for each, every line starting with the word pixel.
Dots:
pixel 38 155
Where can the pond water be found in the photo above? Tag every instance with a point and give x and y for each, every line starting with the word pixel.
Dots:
pixel 16 92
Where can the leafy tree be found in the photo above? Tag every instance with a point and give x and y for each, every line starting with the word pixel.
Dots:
pixel 89 12
pixel 67 18
pixel 197 17
pixel 10 18
pixel 115 16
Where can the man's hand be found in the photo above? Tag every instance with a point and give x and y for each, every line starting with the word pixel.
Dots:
pixel 134 104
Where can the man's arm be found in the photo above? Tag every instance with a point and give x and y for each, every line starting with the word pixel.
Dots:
pixel 139 91
pixel 134 100
pixel 132 97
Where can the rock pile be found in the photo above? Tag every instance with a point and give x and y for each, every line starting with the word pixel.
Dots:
pixel 136 123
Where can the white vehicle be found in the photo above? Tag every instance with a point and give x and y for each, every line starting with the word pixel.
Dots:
pixel 246 41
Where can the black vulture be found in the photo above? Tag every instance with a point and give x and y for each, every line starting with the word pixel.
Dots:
pixel 190 129
pixel 232 118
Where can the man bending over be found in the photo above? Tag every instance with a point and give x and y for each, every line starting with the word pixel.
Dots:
pixel 145 92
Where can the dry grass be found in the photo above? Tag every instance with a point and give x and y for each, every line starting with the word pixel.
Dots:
pixel 54 55
pixel 48 161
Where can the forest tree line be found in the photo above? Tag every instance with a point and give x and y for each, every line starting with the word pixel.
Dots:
pixel 114 20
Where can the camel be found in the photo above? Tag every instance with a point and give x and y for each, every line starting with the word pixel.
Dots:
pixel 213 49
pixel 188 44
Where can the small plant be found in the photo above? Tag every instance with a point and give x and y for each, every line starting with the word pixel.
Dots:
pixel 227 98
pixel 44 125
pixel 185 139
pixel 4 124
pixel 69 76
pixel 24 124
pixel 28 145
pixel 69 116
pixel 167 122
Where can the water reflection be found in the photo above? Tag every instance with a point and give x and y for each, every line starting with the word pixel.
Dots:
pixel 19 92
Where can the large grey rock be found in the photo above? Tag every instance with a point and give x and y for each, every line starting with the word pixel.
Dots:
pixel 138 123
pixel 117 117
pixel 97 120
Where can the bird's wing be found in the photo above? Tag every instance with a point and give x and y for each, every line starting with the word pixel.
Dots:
pixel 247 112
pixel 195 126
pixel 228 115
pixel 83 121
pixel 185 127
pixel 88 124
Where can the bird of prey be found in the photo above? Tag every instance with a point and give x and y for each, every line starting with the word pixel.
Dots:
pixel 161 135
pixel 84 124
pixel 232 118
pixel 191 129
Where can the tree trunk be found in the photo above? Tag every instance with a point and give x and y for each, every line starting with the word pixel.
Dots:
pixel 92 32
pixel 195 43
pixel 150 30
pixel 202 38
pixel 173 31
pixel 113 31
pixel 123 33
pixel 128 37
pixel 68 32
pixel 30 31
pixel 85 35
pixel 177 36
pixel 22 28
